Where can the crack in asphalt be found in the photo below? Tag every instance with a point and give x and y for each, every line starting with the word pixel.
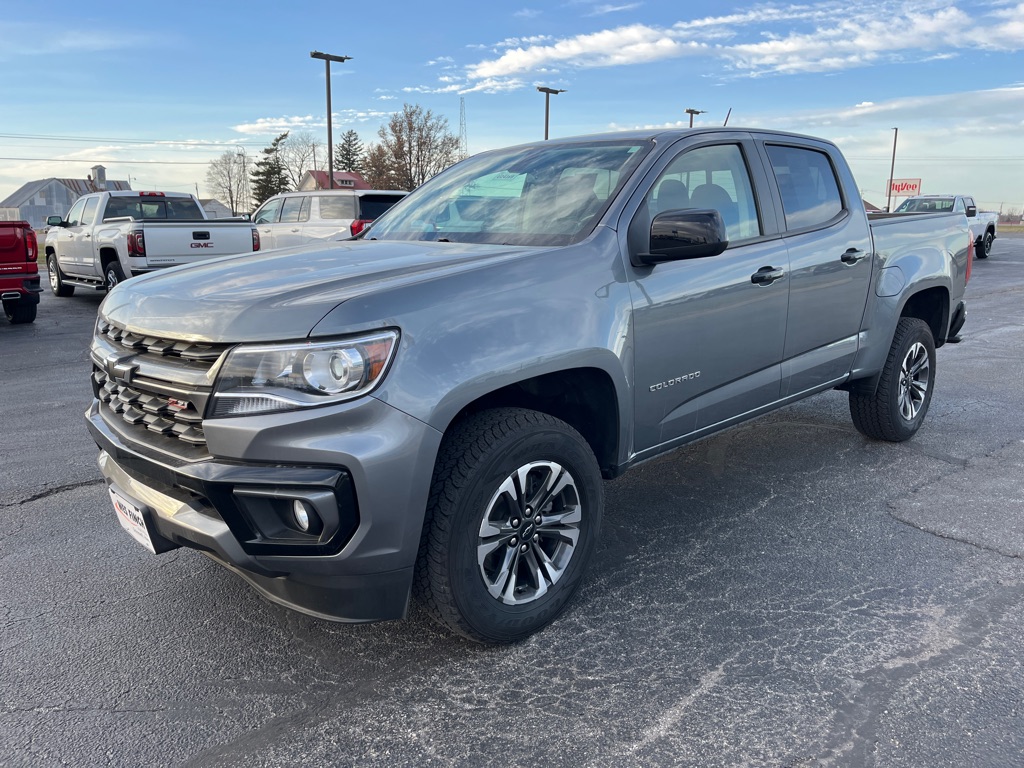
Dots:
pixel 53 492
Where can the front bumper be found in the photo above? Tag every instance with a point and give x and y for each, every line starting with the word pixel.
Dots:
pixel 368 485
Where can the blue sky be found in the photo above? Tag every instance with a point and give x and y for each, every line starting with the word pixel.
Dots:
pixel 154 96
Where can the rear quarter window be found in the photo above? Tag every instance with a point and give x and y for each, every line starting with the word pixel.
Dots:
pixel 337 207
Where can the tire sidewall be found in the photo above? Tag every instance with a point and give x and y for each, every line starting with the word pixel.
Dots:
pixel 112 276
pixel 488 616
pixel 918 332
pixel 55 276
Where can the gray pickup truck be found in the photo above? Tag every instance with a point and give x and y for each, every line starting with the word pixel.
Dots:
pixel 429 410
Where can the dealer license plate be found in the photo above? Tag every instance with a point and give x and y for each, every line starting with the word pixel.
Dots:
pixel 132 520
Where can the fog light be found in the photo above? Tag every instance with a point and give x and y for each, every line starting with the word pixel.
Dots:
pixel 301 515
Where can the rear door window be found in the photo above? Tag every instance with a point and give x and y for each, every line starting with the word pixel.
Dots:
pixel 89 214
pixel 292 210
pixel 808 185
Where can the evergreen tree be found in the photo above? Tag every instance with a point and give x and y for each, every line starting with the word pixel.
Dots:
pixel 269 176
pixel 348 153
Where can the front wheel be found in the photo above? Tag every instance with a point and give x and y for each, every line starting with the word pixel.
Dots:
pixel 57 284
pixel 896 409
pixel 984 245
pixel 513 518
pixel 113 274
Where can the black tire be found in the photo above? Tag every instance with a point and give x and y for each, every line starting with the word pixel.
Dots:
pixel 57 284
pixel 899 404
pixel 984 246
pixel 112 275
pixel 19 312
pixel 481 543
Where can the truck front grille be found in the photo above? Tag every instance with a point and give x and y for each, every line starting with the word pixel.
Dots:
pixel 154 390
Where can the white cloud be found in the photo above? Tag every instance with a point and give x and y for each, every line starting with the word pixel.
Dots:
pixel 602 10
pixel 527 13
pixel 623 45
pixel 826 37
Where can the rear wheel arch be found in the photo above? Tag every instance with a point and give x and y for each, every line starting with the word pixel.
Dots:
pixel 932 306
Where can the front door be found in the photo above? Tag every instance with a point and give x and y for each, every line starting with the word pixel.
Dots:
pixel 709 332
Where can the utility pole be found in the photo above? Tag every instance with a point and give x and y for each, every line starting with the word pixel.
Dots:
pixel 327 59
pixel 691 112
pixel 547 105
pixel 892 170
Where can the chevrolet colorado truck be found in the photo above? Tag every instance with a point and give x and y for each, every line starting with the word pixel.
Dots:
pixel 983 225
pixel 19 272
pixel 110 236
pixel 428 411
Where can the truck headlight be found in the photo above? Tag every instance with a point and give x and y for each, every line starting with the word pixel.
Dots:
pixel 265 379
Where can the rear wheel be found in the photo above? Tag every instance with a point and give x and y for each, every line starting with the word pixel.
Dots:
pixel 112 274
pixel 19 312
pixel 513 518
pixel 57 284
pixel 896 409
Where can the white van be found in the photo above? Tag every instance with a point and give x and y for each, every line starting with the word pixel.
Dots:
pixel 294 218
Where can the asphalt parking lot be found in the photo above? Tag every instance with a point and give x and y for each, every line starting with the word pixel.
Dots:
pixel 787 593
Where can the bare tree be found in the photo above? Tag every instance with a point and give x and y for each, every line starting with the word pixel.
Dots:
pixel 227 177
pixel 302 152
pixel 378 168
pixel 418 145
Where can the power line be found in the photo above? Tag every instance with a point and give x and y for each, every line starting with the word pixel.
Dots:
pixel 189 142
pixel 110 162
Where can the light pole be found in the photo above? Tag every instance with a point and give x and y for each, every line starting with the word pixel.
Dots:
pixel 547 105
pixel 327 59
pixel 691 112
pixel 892 170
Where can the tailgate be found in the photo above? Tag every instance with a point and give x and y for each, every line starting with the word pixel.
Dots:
pixel 187 242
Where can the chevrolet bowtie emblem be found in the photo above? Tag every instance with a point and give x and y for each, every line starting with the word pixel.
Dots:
pixel 120 368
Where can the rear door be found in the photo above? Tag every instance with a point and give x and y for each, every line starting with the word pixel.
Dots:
pixel 709 332
pixel 294 215
pixel 830 261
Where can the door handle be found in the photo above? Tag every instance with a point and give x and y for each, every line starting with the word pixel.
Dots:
pixel 852 256
pixel 296 229
pixel 766 276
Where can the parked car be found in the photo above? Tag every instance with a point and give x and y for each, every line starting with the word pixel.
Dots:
pixel 430 409
pixel 296 218
pixel 983 225
pixel 110 236
pixel 19 271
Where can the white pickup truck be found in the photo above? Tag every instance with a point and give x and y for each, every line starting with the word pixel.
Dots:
pixel 983 225
pixel 110 236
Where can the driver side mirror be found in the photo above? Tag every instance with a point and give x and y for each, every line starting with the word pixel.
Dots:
pixel 972 211
pixel 684 234
pixel 55 221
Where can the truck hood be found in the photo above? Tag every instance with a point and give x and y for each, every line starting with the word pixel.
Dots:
pixel 282 294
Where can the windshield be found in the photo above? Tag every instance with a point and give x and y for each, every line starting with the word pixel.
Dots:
pixel 926 204
pixel 549 195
